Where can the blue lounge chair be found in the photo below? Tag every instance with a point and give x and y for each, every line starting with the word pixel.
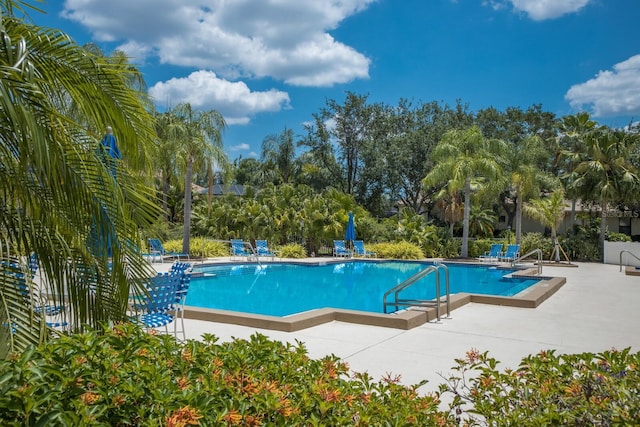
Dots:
pixel 161 303
pixel 512 252
pixel 359 249
pixel 262 249
pixel 156 249
pixel 239 250
pixel 340 249
pixel 494 253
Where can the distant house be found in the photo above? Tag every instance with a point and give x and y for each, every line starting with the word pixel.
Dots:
pixel 221 190
pixel 618 221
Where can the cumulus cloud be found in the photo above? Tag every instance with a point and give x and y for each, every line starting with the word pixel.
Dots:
pixel 539 10
pixel 610 92
pixel 205 91
pixel 283 39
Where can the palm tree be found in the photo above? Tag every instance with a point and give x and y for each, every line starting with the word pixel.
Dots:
pixel 61 198
pixel 524 174
pixel 571 144
pixel 278 156
pixel 198 139
pixel 605 173
pixel 549 212
pixel 464 159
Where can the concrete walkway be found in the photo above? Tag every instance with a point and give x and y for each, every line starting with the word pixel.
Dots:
pixel 596 310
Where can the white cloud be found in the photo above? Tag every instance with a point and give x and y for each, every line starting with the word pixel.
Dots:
pixel 610 93
pixel 539 10
pixel 240 147
pixel 205 91
pixel 283 39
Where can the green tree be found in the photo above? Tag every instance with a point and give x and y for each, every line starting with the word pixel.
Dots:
pixel 279 157
pixel 549 212
pixel 605 174
pixel 573 131
pixel 524 174
pixel 197 136
pixel 62 198
pixel 464 160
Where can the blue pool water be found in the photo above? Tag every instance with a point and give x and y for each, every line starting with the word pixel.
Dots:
pixel 282 289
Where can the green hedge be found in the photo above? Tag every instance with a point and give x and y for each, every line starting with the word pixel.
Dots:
pixel 126 377
pixel 123 376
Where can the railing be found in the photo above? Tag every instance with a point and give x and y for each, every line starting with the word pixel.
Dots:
pixel 535 251
pixel 397 302
pixel 630 253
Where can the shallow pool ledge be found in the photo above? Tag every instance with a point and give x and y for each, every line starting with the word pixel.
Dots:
pixel 406 319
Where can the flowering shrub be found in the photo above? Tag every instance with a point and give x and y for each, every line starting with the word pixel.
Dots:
pixel 124 376
pixel 569 390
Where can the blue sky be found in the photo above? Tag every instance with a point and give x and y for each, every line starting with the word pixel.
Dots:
pixel 267 65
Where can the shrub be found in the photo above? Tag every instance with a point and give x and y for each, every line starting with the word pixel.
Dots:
pixel 398 250
pixel 124 376
pixel 293 250
pixel 569 390
pixel 206 248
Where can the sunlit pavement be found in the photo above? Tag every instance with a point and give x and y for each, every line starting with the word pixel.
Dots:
pixel 597 309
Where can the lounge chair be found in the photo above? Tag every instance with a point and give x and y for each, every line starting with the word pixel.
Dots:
pixel 157 250
pixel 162 301
pixel 494 253
pixel 359 249
pixel 262 249
pixel 340 249
pixel 239 250
pixel 511 254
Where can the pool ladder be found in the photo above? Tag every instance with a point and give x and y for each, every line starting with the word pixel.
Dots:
pixel 397 301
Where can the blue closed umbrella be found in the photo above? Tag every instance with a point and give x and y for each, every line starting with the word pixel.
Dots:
pixel 109 143
pixel 350 234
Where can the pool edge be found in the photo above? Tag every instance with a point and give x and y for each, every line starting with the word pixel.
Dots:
pixel 407 319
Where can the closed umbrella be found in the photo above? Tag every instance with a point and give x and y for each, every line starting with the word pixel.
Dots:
pixel 110 145
pixel 350 233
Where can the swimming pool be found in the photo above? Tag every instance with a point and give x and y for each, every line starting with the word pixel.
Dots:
pixel 282 289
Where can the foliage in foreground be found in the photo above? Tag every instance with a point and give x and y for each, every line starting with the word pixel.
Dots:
pixel 547 389
pixel 124 376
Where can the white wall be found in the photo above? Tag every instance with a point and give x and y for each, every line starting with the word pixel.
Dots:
pixel 612 253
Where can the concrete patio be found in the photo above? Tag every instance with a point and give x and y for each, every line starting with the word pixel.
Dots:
pixel 596 310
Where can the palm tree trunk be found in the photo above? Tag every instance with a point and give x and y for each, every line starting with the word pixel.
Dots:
pixel 572 219
pixel 518 217
pixel 465 224
pixel 603 227
pixel 187 207
pixel 165 196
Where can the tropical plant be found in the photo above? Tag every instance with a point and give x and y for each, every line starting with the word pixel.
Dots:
pixel 549 212
pixel 605 174
pixel 279 157
pixel 63 199
pixel 463 160
pixel 197 137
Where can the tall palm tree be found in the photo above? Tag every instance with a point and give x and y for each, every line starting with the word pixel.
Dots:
pixel 464 159
pixel 198 139
pixel 605 173
pixel 523 162
pixel 61 197
pixel 573 130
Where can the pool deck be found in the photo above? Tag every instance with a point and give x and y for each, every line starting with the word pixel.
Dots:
pixel 598 308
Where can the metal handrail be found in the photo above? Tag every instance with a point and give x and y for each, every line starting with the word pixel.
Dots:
pixel 630 253
pixel 538 251
pixel 415 302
